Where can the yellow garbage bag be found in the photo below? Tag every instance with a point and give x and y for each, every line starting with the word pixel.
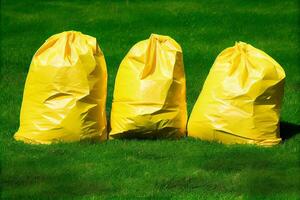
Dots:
pixel 65 92
pixel 241 98
pixel 150 96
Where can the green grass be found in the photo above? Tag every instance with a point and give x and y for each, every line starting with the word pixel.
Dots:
pixel 162 169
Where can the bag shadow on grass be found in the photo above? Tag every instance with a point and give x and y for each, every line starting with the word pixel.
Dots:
pixel 167 133
pixel 288 130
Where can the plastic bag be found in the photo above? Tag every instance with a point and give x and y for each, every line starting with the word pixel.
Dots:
pixel 65 92
pixel 150 95
pixel 241 98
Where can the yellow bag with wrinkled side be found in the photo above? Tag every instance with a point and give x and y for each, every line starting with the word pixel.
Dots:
pixel 65 92
pixel 150 96
pixel 241 98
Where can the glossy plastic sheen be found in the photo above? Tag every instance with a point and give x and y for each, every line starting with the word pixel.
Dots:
pixel 150 95
pixel 241 98
pixel 65 92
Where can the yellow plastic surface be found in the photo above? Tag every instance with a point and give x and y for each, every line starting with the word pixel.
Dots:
pixel 241 98
pixel 65 92
pixel 150 95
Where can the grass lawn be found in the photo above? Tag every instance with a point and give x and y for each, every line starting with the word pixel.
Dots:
pixel 163 169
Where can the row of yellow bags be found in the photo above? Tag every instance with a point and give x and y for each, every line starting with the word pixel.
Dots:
pixel 65 94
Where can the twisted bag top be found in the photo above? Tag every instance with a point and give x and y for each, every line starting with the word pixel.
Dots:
pixel 241 98
pixel 65 91
pixel 150 95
